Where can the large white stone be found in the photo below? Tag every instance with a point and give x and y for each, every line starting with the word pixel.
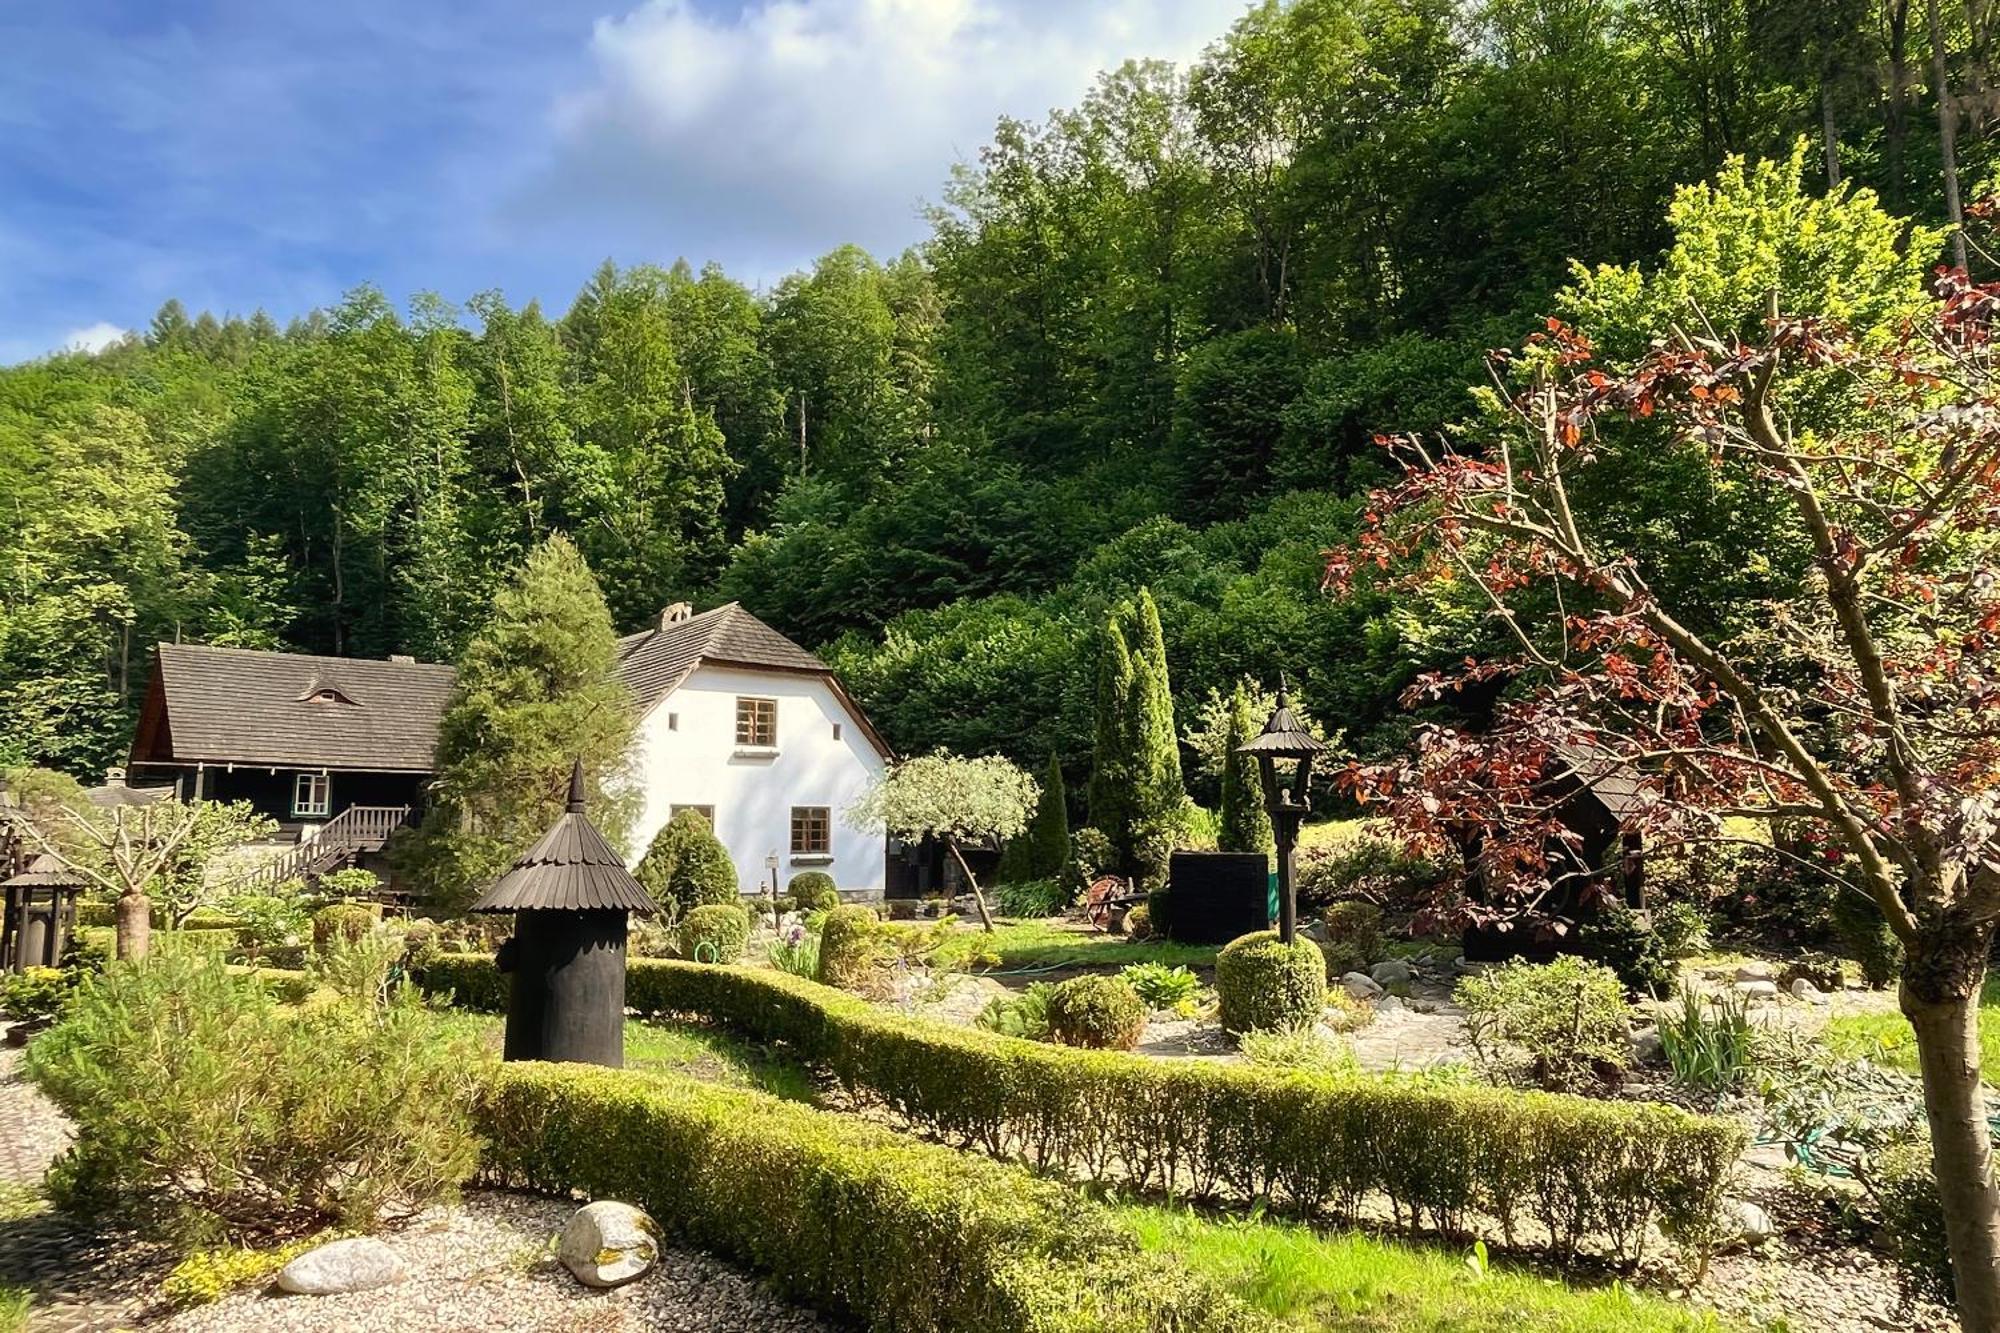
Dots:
pixel 1745 1223
pixel 1361 986
pixel 607 1244
pixel 359 1263
pixel 1803 989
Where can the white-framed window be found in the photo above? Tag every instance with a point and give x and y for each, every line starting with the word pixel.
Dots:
pixel 312 796
pixel 812 830
pixel 756 723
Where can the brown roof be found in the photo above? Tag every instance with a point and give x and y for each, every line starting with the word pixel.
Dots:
pixel 571 869
pixel 46 871
pixel 237 705
pixel 654 662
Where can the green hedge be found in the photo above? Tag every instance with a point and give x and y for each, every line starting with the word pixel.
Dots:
pixel 470 981
pixel 1436 1156
pixel 843 1215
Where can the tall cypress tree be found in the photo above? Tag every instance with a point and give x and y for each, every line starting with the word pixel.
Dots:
pixel 1159 793
pixel 1246 823
pixel 1110 793
pixel 537 689
pixel 1048 832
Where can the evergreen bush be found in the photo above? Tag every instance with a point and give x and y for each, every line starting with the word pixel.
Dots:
pixel 1624 941
pixel 1564 1023
pixel 714 933
pixel 1865 933
pixel 1101 1013
pixel 813 891
pixel 852 952
pixel 347 921
pixel 1139 922
pixel 1353 936
pixel 1264 984
pixel 1245 819
pixel 203 1108
pixel 686 866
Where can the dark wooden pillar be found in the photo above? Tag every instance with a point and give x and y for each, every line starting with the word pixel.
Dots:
pixel 567 996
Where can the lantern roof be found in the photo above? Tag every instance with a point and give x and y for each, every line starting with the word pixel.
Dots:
pixel 573 868
pixel 47 872
pixel 1283 736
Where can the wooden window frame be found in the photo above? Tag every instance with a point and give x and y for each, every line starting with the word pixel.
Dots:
pixel 811 820
pixel 304 809
pixel 756 722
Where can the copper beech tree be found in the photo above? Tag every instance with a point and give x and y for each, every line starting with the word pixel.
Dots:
pixel 1865 707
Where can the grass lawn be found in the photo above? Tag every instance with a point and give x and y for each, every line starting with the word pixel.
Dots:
pixel 1057 944
pixel 1355 1282
pixel 674 1048
pixel 1887 1039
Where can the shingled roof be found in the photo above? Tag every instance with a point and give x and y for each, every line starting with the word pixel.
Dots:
pixel 240 706
pixel 654 662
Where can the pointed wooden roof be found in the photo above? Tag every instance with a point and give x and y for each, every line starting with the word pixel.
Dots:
pixel 571 869
pixel 46 872
pixel 1284 735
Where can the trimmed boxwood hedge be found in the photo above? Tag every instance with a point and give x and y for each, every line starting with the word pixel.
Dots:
pixel 1568 1167
pixel 1265 985
pixel 841 1214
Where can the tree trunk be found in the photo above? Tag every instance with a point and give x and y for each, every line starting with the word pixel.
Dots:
pixel 1940 990
pixel 978 898
pixel 134 926
pixel 1830 133
pixel 1947 138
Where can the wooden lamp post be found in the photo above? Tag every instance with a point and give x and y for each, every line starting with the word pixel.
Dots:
pixel 1284 738
pixel 39 914
pixel 571 897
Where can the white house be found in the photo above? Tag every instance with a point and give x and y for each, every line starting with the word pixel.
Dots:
pixel 734 719
pixel 739 722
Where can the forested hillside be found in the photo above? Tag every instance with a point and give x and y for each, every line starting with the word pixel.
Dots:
pixel 1148 342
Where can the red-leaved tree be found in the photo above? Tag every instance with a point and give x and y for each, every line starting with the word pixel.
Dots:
pixel 1866 707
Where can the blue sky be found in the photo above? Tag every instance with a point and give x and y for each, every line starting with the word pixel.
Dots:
pixel 243 155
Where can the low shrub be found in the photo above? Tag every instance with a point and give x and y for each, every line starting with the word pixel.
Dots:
pixel 812 891
pixel 1823 970
pixel 796 952
pixel 1263 984
pixel 1865 934
pixel 1683 928
pixel 1162 987
pixel 1345 1013
pixel 34 995
pixel 466 981
pixel 1709 1041
pixel 1624 941
pixel 348 921
pixel 1434 1151
pixel 206 1276
pixel 852 950
pixel 204 1108
pixel 1298 1048
pixel 1139 922
pixel 1098 1013
pixel 1371 866
pixel 844 1215
pixel 1025 1015
pixel 714 933
pixel 1353 936
pixel 1033 898
pixel 1562 1023
pixel 1902 1181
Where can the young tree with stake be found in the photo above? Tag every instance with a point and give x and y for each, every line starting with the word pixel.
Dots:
pixel 949 798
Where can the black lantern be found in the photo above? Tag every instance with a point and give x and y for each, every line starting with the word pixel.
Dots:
pixel 571 896
pixel 40 914
pixel 1283 738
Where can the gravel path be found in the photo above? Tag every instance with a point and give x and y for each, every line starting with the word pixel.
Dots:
pixel 488 1265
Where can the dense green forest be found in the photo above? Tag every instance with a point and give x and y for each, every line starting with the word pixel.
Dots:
pixel 1148 342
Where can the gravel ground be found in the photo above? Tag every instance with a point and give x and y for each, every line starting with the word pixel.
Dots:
pixel 489 1265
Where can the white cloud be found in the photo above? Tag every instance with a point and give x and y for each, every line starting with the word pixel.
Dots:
pixel 92 338
pixel 779 131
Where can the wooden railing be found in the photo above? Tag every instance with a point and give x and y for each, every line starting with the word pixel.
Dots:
pixel 358 828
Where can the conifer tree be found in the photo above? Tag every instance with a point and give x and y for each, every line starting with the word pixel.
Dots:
pixel 1045 845
pixel 537 689
pixel 1245 822
pixel 687 866
pixel 1110 794
pixel 1158 792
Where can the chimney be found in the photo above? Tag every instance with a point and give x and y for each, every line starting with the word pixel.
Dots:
pixel 676 613
pixel 114 777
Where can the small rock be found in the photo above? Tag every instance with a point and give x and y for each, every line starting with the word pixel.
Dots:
pixel 1390 972
pixel 1754 972
pixel 1811 994
pixel 359 1263
pixel 1745 1223
pixel 1646 1046
pixel 1388 1004
pixel 607 1244
pixel 1361 986
pixel 1756 990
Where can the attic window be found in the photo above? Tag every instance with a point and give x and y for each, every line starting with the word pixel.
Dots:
pixel 329 695
pixel 756 723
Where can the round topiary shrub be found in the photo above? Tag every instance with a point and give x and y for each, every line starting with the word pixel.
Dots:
pixel 347 921
pixel 687 866
pixel 850 947
pixel 1103 1013
pixel 714 933
pixel 813 891
pixel 1264 985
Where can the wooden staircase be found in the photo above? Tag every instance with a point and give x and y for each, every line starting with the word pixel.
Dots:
pixel 357 829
